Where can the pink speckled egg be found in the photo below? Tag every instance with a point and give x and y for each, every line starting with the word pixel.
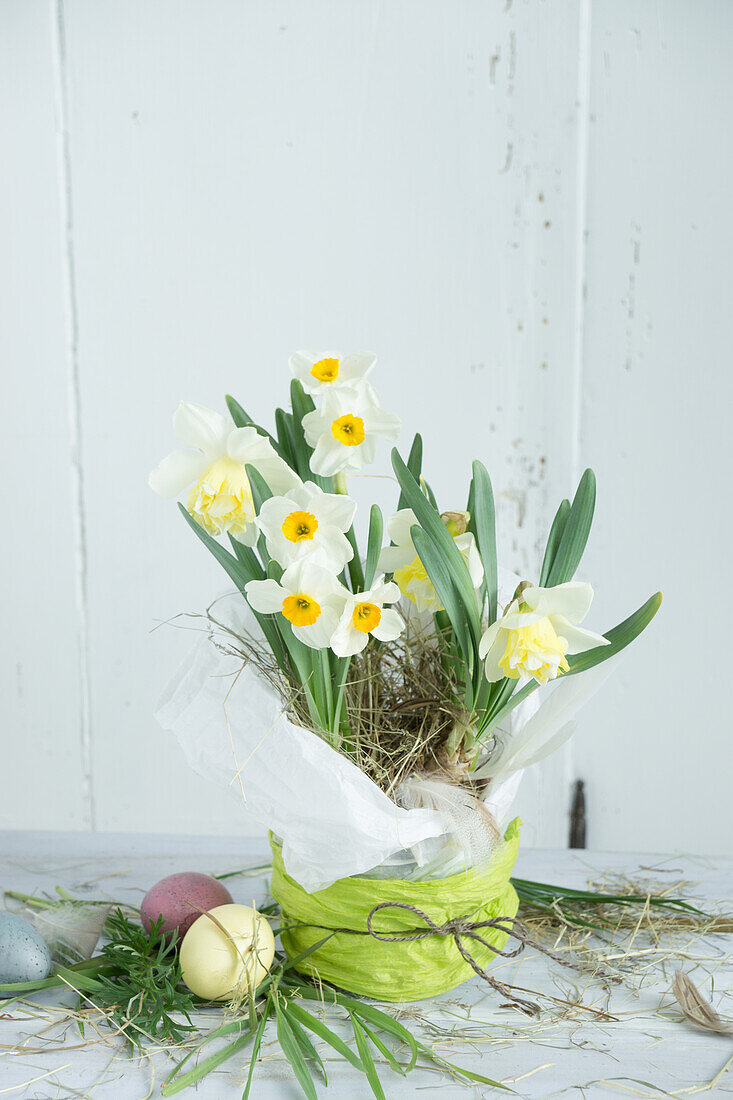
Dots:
pixel 181 899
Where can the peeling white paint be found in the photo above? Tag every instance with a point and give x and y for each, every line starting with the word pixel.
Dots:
pixel 74 404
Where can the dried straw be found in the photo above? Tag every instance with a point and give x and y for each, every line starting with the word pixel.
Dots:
pixel 401 701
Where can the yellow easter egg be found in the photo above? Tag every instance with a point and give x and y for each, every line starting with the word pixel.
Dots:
pixel 226 951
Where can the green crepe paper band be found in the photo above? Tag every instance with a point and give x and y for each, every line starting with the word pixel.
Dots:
pixel 396 971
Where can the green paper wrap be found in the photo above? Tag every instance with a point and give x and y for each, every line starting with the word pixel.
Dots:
pixel 394 971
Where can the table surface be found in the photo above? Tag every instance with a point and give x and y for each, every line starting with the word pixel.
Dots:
pixel 647 1050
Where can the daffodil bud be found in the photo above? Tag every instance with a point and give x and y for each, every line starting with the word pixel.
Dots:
pixel 521 587
pixel 456 522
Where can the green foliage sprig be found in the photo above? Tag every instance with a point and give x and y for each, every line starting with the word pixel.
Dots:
pixel 140 982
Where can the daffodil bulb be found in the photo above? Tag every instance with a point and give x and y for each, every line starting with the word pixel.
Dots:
pixel 365 614
pixel 345 430
pixel 531 640
pixel 213 463
pixel 319 372
pixel 409 573
pixel 310 597
pixel 308 523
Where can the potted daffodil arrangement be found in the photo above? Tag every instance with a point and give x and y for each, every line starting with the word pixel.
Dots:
pixel 380 700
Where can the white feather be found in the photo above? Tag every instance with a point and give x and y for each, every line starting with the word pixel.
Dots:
pixel 465 817
pixel 71 929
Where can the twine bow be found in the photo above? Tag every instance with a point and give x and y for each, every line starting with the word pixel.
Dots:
pixel 461 928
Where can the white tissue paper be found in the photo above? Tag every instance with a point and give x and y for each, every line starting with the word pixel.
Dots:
pixel 332 819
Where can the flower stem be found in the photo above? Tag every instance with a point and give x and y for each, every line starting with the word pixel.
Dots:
pixel 339 483
pixel 356 573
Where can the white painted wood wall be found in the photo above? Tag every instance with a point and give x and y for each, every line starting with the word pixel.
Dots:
pixel 523 208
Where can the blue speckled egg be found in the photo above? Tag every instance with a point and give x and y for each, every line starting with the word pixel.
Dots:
pixel 24 956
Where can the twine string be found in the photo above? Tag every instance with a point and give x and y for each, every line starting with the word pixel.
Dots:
pixel 460 928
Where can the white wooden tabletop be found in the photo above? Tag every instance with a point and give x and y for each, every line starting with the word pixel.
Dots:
pixel 647 1050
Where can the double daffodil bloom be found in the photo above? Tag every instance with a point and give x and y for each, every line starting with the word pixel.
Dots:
pixel 308 596
pixel 319 372
pixel 344 431
pixel 214 459
pixel 537 631
pixel 364 614
pixel 308 523
pixel 409 572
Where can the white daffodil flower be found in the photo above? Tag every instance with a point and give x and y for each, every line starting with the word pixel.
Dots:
pixel 319 373
pixel 344 431
pixel 537 630
pixel 308 523
pixel 308 596
pixel 214 459
pixel 409 572
pixel 364 614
